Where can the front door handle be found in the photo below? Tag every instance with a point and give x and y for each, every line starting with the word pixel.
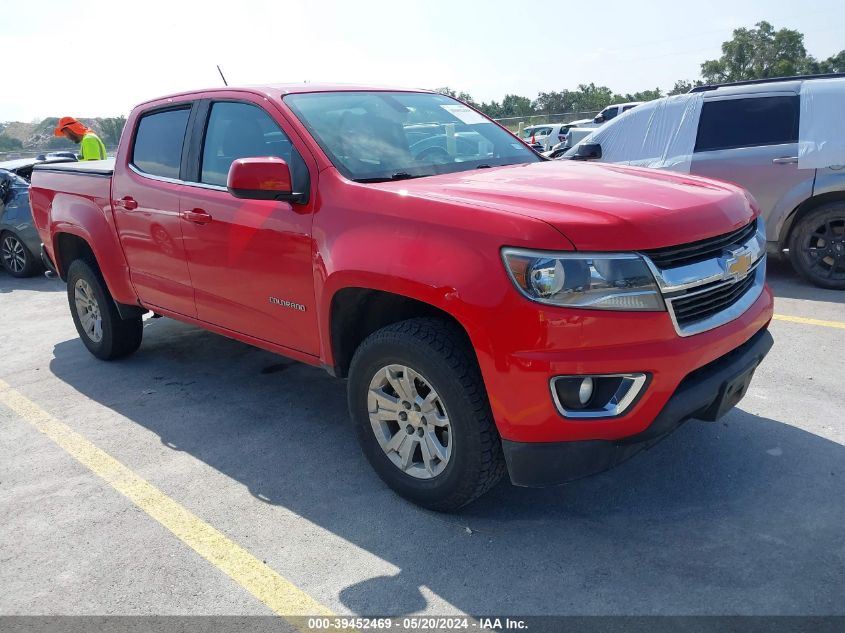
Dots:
pixel 127 202
pixel 785 160
pixel 197 216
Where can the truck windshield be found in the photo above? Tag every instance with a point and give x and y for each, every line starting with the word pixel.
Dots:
pixel 378 136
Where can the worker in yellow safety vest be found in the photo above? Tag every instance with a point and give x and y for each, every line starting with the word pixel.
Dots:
pixel 90 145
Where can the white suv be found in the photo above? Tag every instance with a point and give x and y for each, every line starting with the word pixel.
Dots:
pixel 781 139
pixel 609 113
pixel 544 136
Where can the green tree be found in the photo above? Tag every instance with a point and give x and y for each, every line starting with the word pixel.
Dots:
pixel 833 64
pixel 463 96
pixel 9 143
pixel 553 102
pixel 515 105
pixel 642 95
pixel 681 86
pixel 111 128
pixel 492 109
pixel 587 98
pixel 590 97
pixel 511 105
pixel 758 53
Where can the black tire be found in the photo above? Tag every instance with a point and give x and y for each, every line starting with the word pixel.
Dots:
pixel 817 246
pixel 438 351
pixel 119 337
pixel 17 259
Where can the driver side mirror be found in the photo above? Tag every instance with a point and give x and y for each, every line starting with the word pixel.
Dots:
pixel 599 118
pixel 261 178
pixel 588 151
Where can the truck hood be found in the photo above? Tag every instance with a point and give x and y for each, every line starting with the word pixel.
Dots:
pixel 598 207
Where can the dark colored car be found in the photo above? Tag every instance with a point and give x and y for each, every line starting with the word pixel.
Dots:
pixel 23 166
pixel 20 245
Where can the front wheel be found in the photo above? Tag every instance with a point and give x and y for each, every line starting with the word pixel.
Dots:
pixel 422 416
pixel 95 316
pixel 817 246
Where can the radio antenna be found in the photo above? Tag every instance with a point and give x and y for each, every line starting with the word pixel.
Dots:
pixel 225 83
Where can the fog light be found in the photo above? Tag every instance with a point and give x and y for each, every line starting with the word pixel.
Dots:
pixel 596 396
pixel 585 391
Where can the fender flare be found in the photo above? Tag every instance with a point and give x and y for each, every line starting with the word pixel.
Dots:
pixel 83 218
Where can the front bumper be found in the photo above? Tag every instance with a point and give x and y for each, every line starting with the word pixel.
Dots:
pixel 518 361
pixel 706 393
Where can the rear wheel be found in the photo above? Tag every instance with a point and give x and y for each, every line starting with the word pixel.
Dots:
pixel 17 260
pixel 421 412
pixel 817 246
pixel 95 315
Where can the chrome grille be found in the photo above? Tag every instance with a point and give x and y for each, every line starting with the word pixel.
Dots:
pixel 710 282
pixel 701 305
pixel 699 251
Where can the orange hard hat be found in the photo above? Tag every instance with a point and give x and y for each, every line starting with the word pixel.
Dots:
pixel 69 123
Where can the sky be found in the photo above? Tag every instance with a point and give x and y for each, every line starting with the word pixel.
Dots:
pixel 89 58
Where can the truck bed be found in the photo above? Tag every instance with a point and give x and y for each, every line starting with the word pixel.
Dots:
pixel 75 194
pixel 86 167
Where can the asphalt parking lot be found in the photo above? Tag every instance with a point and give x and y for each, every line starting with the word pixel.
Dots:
pixel 743 516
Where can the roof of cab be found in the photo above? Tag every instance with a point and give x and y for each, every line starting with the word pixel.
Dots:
pixel 280 90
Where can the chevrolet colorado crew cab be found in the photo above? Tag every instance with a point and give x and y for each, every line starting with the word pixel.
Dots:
pixel 492 311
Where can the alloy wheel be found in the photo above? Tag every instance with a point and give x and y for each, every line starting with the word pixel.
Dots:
pixel 410 421
pixel 824 250
pixel 14 256
pixel 88 310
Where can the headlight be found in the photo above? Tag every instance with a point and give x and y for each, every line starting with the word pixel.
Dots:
pixel 599 282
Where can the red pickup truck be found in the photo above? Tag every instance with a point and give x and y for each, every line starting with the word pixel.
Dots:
pixel 490 309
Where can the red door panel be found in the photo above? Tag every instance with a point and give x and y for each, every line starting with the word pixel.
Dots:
pixel 150 230
pixel 250 264
pixel 250 260
pixel 145 197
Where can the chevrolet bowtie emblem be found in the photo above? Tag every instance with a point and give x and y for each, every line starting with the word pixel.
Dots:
pixel 738 264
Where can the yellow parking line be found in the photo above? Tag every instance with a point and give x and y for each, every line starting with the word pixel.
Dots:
pixel 279 594
pixel 806 321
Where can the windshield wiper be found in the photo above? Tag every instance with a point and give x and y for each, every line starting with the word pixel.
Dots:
pixel 399 175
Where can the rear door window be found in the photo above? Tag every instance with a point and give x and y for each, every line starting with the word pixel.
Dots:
pixel 733 123
pixel 158 142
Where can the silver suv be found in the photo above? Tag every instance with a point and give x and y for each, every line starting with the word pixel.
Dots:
pixel 748 133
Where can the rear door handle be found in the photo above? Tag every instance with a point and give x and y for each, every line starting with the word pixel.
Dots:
pixel 127 202
pixel 197 216
pixel 785 160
